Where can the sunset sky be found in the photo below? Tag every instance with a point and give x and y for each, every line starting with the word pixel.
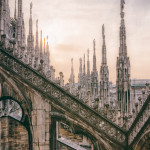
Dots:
pixel 73 24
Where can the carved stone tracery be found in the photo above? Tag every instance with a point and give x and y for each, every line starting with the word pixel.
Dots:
pixel 52 90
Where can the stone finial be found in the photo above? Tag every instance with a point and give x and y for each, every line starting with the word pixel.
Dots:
pixel 31 8
pixel 122 5
pixel 15 12
pixel 94 55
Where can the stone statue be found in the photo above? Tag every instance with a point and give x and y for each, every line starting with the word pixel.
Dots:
pixel 122 4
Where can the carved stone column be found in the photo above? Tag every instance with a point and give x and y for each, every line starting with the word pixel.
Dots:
pixel 41 122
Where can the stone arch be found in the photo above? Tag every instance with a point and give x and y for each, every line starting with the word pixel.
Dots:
pixel 16 110
pixel 98 142
pixel 13 134
pixel 144 142
pixel 10 87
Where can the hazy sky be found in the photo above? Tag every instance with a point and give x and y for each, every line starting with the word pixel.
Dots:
pixel 73 24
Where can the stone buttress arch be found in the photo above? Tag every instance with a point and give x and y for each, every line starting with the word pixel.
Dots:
pixel 98 142
pixel 10 88
pixel 144 142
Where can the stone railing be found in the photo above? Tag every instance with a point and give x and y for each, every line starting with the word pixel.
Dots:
pixel 62 98
pixel 140 121
pixel 139 105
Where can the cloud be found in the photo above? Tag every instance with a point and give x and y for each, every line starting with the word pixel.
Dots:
pixel 67 48
pixel 73 24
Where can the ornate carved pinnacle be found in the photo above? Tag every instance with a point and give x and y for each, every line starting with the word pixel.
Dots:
pixel 31 5
pixel 122 5
pixel 15 11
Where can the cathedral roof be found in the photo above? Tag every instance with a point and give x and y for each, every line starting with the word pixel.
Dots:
pixel 139 82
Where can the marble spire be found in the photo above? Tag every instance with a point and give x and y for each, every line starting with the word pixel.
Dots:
pixel 37 53
pixel 104 60
pixel 41 47
pixel 20 28
pixel 20 8
pixel 94 56
pixel 72 71
pixel 88 73
pixel 15 12
pixel 88 63
pixel 123 82
pixel 104 75
pixel 123 47
pixel 37 41
pixel 80 73
pixel 71 80
pixel 94 75
pixel 30 40
pixel 30 20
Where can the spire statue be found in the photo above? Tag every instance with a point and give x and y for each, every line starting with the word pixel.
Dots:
pixel 19 8
pixel 80 73
pixel 30 20
pixel 88 73
pixel 41 47
pixel 15 12
pixel 84 74
pixel 94 55
pixel 47 54
pixel 30 40
pixel 20 30
pixel 37 53
pixel 94 75
pixel 122 5
pixel 123 71
pixel 71 80
pixel 88 63
pixel 104 60
pixel 104 75
pixel 37 40
pixel 47 60
pixel 31 8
